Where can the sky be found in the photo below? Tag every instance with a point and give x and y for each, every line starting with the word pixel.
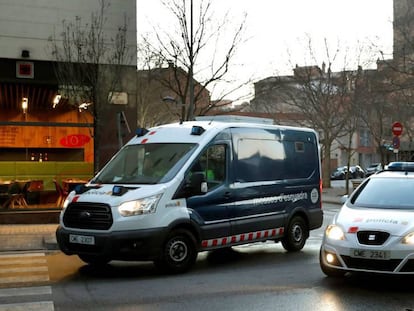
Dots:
pixel 276 32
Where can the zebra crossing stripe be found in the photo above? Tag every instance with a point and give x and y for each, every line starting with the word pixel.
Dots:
pixel 25 291
pixel 29 306
pixel 24 279
pixel 24 269
pixel 20 255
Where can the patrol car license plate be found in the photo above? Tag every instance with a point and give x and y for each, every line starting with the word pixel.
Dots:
pixel 370 254
pixel 82 239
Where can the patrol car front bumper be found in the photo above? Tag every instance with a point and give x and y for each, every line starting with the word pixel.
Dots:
pixel 358 258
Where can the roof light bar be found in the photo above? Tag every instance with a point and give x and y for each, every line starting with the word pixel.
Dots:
pixel 400 166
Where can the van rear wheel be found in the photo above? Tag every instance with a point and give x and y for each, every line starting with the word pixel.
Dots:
pixel 179 252
pixel 295 235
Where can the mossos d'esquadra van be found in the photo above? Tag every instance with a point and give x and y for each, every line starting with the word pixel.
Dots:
pixel 179 189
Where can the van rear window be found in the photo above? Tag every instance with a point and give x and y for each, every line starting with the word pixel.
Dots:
pixel 266 160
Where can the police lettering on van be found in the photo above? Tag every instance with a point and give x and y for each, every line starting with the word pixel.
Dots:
pixel 179 189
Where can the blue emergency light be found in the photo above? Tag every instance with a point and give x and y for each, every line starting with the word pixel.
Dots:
pixel 197 130
pixel 401 166
pixel 141 131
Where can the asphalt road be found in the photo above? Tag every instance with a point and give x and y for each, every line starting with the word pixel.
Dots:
pixel 259 276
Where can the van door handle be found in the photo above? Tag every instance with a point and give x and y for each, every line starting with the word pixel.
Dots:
pixel 227 195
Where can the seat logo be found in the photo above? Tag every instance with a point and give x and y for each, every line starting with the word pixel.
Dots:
pixel 371 237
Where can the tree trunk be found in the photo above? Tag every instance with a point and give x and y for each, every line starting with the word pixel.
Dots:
pixel 326 169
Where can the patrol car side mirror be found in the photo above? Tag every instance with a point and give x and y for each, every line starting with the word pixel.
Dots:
pixel 198 184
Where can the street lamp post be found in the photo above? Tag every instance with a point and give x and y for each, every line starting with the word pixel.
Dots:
pixel 191 82
pixel 172 100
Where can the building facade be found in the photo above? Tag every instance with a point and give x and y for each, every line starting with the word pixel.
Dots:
pixel 45 138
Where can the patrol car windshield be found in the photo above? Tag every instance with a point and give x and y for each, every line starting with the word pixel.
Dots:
pixel 391 193
pixel 145 164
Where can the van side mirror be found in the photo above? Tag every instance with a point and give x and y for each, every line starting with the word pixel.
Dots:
pixel 198 184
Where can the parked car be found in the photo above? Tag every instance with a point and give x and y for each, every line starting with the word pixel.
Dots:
pixel 373 168
pixel 374 230
pixel 357 171
pixel 339 173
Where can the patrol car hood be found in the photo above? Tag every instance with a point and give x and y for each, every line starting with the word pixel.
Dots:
pixel 396 222
pixel 105 194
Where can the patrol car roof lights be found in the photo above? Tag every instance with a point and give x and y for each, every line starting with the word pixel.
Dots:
pixel 401 166
pixel 197 130
pixel 141 131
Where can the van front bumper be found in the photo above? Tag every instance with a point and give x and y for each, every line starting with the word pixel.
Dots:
pixel 119 245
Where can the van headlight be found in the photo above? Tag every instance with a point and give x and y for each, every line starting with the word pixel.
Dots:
pixel 335 232
pixel 139 207
pixel 408 239
pixel 68 199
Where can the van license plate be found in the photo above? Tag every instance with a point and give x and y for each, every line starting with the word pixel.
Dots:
pixel 82 239
pixel 370 254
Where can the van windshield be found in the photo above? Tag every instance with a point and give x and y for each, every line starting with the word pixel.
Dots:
pixel 145 164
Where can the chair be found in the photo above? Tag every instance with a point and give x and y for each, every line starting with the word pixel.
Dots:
pixel 16 196
pixel 62 194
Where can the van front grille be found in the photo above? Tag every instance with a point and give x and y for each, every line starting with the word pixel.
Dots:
pixel 84 215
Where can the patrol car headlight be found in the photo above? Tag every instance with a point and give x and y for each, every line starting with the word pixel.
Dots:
pixel 334 232
pixel 408 239
pixel 139 207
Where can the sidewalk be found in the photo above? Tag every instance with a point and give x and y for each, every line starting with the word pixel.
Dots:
pixel 42 236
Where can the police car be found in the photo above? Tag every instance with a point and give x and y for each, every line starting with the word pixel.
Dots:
pixel 374 230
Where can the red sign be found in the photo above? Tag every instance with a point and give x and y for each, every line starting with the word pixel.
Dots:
pixel 397 128
pixel 75 140
pixel 24 70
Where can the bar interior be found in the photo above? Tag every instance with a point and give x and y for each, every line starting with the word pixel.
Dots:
pixel 46 147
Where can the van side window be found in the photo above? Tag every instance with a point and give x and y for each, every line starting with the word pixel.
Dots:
pixel 212 162
pixel 260 159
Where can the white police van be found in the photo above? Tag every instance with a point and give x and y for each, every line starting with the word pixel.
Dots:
pixel 178 189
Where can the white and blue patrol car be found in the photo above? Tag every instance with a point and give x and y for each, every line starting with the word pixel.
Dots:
pixel 374 230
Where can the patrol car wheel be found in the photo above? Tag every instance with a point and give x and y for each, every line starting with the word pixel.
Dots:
pixel 328 271
pixel 94 260
pixel 179 252
pixel 296 235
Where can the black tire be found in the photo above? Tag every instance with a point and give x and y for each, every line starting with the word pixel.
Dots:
pixel 179 252
pixel 328 271
pixel 296 235
pixel 94 260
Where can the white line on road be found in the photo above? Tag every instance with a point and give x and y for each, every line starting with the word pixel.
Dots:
pixel 24 279
pixel 23 269
pixel 29 306
pixel 26 291
pixel 22 255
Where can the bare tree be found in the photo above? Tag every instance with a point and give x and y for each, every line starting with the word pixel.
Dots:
pixel 320 96
pixel 89 65
pixel 198 34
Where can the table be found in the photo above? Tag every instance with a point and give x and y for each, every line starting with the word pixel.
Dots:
pixel 69 184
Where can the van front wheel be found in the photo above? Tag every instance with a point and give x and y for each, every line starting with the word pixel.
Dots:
pixel 179 252
pixel 296 234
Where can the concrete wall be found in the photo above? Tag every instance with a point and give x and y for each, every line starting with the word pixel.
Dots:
pixel 29 24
